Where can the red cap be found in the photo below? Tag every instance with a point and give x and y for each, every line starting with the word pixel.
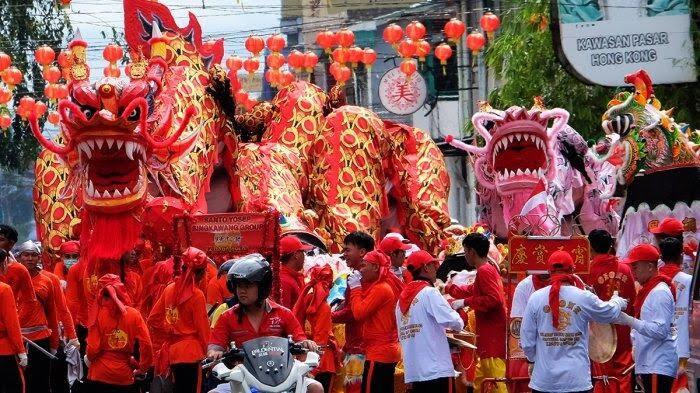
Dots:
pixel 290 244
pixel 642 252
pixel 70 247
pixel 419 259
pixel 669 226
pixel 560 260
pixel 390 244
pixel 377 258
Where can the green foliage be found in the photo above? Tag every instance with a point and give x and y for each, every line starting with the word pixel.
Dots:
pixel 523 57
pixel 24 26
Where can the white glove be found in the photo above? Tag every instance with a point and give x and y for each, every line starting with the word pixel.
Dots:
pixel 457 304
pixel 23 360
pixel 622 302
pixel 64 284
pixel 86 360
pixel 354 280
pixel 624 319
pixel 75 343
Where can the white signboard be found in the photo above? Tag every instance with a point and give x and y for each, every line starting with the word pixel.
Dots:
pixel 601 42
pixel 400 94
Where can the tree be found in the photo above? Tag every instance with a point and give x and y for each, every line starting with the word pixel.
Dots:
pixel 25 25
pixel 524 60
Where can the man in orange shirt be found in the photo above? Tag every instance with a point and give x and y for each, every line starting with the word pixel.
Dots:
pixel 374 292
pixel 70 251
pixel 13 355
pixel 114 329
pixel 180 316
pixel 292 262
pixel 357 245
pixel 608 276
pixel 38 320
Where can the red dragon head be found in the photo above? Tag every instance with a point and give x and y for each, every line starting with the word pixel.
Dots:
pixel 109 128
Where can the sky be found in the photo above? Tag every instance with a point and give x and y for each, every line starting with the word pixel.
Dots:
pixel 233 20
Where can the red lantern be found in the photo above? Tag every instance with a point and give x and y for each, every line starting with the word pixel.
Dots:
pixel 50 91
pixel 65 58
pixel 325 40
pixel 340 72
pixel 251 65
pixel 422 50
pixel 276 42
pixel 12 77
pixel 310 60
pixel 25 107
pixel 272 76
pixel 52 74
pixel 407 48
pixel 112 71
pixel 489 23
pixel 40 108
pixel 443 52
pixel 5 121
pixel 5 61
pixel 475 41
pixel 61 91
pixel 254 44
pixel 355 55
pixel 5 95
pixel 340 55
pixel 275 60
pixel 408 67
pixel 369 56
pixel 286 78
pixel 44 55
pixel 296 59
pixel 454 29
pixel 415 30
pixel 234 63
pixel 393 34
pixel 241 97
pixel 54 118
pixel 345 38
pixel 112 53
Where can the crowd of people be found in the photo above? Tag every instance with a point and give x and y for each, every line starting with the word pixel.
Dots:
pixel 147 326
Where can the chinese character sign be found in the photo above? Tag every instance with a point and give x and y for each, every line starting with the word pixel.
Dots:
pixel 531 253
pixel 402 95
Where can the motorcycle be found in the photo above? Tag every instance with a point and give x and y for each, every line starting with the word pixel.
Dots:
pixel 265 365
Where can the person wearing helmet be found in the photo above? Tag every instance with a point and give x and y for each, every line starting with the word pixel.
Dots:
pixel 250 280
pixel 228 301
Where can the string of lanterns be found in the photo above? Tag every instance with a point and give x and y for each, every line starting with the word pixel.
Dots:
pixel 410 43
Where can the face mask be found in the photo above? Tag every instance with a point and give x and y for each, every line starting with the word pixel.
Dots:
pixel 68 262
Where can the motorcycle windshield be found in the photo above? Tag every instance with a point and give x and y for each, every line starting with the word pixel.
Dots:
pixel 268 359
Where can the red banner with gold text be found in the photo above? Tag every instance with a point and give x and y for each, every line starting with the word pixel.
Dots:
pixel 530 253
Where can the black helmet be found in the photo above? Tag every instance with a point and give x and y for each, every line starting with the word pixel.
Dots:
pixel 252 268
pixel 225 267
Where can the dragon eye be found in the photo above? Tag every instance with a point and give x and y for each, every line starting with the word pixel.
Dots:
pixel 134 115
pixel 87 111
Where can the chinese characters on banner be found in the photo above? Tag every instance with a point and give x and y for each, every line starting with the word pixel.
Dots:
pixel 528 254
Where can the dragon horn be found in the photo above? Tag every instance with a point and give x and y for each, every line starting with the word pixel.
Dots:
pixel 642 85
pixel 165 143
pixel 48 144
pixel 463 146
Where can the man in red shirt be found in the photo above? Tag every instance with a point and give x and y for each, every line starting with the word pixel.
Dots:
pixel 291 279
pixel 357 245
pixel 486 297
pixel 13 355
pixel 606 277
pixel 250 279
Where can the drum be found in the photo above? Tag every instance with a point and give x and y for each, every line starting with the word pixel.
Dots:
pixel 602 341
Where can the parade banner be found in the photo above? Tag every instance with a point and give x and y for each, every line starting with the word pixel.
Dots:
pixel 529 254
pixel 230 234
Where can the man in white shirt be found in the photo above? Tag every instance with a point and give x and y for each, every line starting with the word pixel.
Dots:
pixel 554 331
pixel 655 358
pixel 672 256
pixel 422 315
